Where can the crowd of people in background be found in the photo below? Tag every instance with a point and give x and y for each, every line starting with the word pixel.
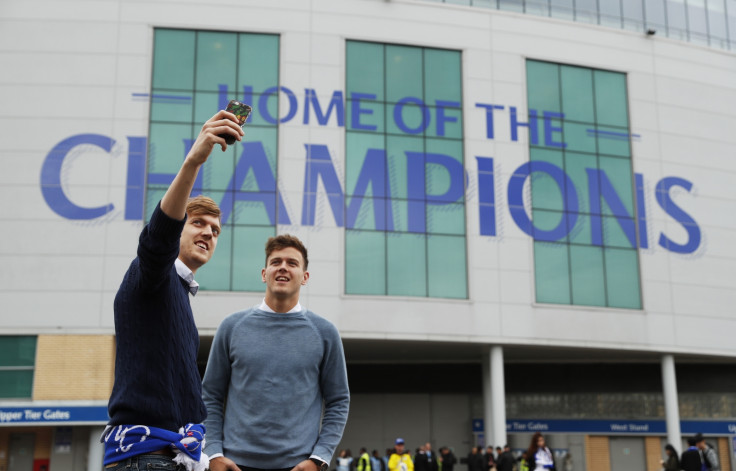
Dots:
pixel 501 460
pixel 398 458
pixel 537 457
pixel 700 456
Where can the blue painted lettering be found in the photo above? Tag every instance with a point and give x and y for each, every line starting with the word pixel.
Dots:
pixel 51 184
pixel 319 164
pixel 641 209
pixel 399 115
pixel 670 207
pixel 516 200
pixel 532 125
pixel 549 129
pixel 356 111
pixel 272 92
pixel 135 185
pixel 253 158
pixel 489 116
pixel 373 172
pixel 416 186
pixel 442 118
pixel 336 103
pixel 486 196
pixel 599 186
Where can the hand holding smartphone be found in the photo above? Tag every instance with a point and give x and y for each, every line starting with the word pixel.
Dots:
pixel 241 112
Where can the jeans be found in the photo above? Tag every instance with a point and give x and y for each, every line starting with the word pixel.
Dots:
pixel 145 463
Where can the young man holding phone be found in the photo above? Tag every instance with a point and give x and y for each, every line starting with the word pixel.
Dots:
pixel 156 403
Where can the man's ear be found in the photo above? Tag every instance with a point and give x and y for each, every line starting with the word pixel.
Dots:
pixel 306 277
pixel 263 275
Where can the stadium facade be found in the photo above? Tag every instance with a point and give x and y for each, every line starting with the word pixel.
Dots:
pixel 520 215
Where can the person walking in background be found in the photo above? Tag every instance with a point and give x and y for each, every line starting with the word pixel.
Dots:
pixel 490 460
pixel 710 457
pixel 476 461
pixel 672 462
pixel 523 462
pixel 692 458
pixel 400 459
pixel 567 464
pixel 420 459
pixel 156 400
pixel 344 460
pixel 539 456
pixel 385 458
pixel 364 460
pixel 505 461
pixel 376 462
pixel 447 459
pixel 431 457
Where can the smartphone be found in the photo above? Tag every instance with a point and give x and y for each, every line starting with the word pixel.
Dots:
pixel 241 111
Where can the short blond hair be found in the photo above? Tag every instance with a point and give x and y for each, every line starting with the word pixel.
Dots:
pixel 201 204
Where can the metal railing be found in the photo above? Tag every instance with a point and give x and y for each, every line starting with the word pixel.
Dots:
pixel 706 22
pixel 629 405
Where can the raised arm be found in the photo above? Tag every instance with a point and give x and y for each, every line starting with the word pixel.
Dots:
pixel 174 202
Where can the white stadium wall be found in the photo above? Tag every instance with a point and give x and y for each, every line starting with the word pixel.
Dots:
pixel 72 68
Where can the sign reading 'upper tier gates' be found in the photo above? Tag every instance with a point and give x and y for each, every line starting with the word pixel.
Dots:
pixel 53 415
pixel 98 415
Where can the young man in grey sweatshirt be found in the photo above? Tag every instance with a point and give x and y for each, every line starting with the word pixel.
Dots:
pixel 276 387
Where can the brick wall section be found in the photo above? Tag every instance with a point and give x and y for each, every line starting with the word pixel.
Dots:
pixel 598 453
pixel 724 454
pixel 653 450
pixel 42 446
pixel 74 367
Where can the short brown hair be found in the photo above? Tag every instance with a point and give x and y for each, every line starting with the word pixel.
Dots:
pixel 283 241
pixel 201 204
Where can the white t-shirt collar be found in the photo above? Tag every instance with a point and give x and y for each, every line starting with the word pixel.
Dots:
pixel 264 307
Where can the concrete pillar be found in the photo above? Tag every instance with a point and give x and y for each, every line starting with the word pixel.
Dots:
pixel 671 404
pixel 487 401
pixel 498 396
pixel 96 452
pixel 494 397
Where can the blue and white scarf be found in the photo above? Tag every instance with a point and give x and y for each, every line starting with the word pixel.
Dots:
pixel 125 441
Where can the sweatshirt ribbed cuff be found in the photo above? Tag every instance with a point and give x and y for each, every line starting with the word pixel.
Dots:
pixel 165 226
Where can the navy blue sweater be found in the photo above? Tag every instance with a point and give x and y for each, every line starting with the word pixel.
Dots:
pixel 157 382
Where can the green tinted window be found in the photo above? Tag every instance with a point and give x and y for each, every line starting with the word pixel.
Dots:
pixel 366 67
pixel 217 60
pixel 576 87
pixel 173 56
pixel 365 264
pixel 552 264
pixel 195 74
pixel 404 187
pixel 596 262
pixel 611 102
pixel 442 75
pixel 17 361
pixel 404 72
pixel 544 80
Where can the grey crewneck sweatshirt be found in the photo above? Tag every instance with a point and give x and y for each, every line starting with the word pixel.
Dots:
pixel 267 377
